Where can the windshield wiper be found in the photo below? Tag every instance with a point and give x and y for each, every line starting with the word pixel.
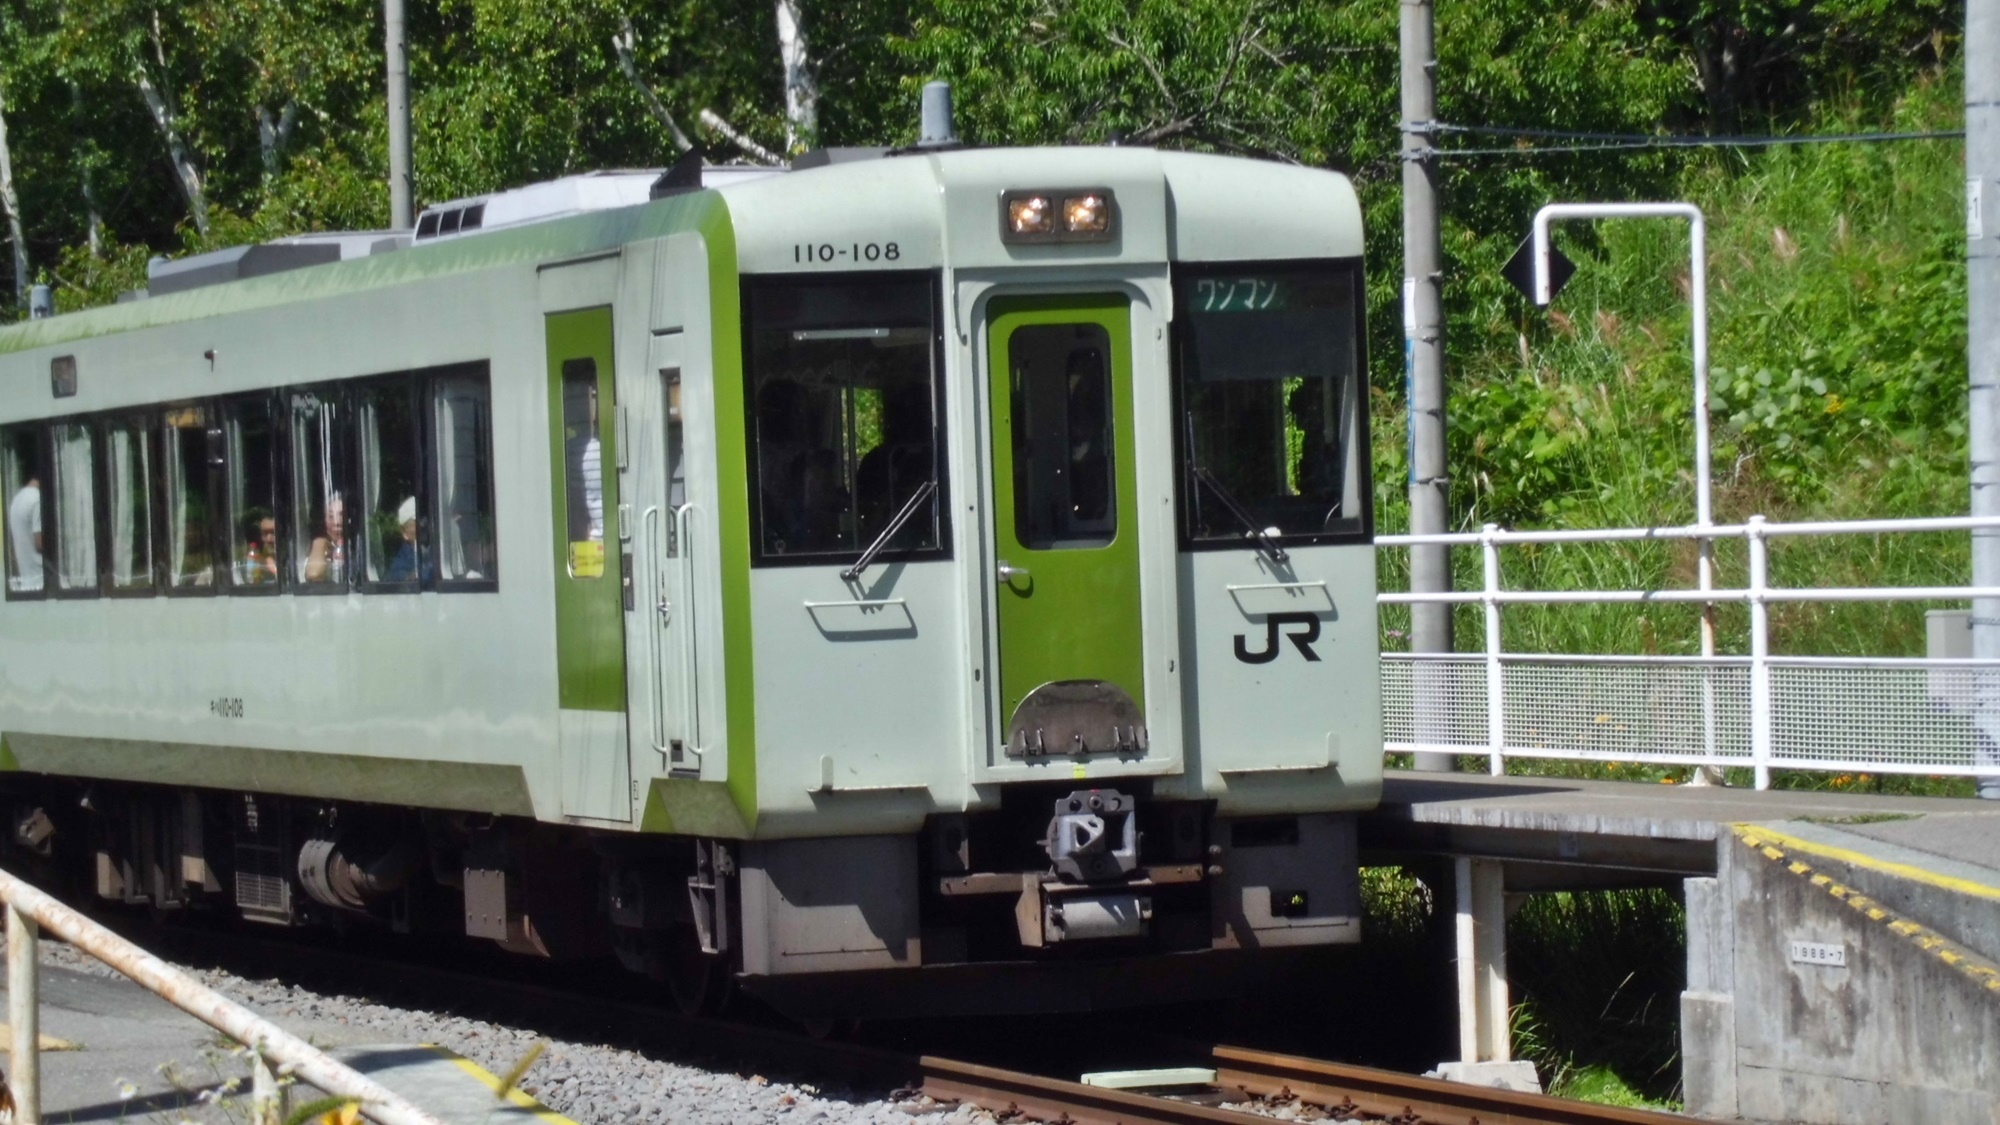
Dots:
pixel 895 525
pixel 1261 534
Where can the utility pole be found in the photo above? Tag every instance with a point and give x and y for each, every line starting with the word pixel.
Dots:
pixel 402 196
pixel 1982 292
pixel 1423 364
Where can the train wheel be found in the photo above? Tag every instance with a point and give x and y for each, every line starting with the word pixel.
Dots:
pixel 698 981
pixel 830 1028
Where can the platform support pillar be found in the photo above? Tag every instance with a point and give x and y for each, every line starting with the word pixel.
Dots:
pixel 1482 962
pixel 24 1017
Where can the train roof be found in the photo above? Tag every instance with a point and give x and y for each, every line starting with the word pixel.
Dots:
pixel 1175 206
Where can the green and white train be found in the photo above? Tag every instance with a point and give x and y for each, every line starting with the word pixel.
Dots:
pixel 912 581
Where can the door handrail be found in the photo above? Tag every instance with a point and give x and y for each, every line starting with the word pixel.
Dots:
pixel 690 643
pixel 649 522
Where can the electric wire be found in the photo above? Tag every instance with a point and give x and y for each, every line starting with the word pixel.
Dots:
pixel 1633 142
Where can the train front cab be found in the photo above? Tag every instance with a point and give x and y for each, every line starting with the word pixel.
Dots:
pixel 1082 646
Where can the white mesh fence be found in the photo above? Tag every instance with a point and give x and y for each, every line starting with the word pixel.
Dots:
pixel 1454 716
pixel 1618 709
pixel 1637 710
pixel 1907 716
pixel 1886 716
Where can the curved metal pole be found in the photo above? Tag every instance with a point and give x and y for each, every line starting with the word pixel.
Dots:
pixel 378 1102
pixel 1698 299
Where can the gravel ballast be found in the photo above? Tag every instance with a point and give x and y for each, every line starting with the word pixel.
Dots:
pixel 592 1084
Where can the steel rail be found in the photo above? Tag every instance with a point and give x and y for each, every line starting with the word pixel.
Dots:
pixel 1345 1093
pixel 1368 1092
pixel 1053 1099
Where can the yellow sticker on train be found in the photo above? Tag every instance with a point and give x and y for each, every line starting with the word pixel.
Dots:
pixel 586 559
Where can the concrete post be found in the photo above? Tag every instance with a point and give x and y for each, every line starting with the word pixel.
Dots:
pixel 24 1017
pixel 1423 367
pixel 1982 291
pixel 1482 962
pixel 402 186
pixel 1485 1044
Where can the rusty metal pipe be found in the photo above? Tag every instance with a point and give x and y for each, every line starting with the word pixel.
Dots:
pixel 378 1102
pixel 24 1017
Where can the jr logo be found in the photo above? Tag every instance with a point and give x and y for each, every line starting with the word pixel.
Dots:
pixel 1302 638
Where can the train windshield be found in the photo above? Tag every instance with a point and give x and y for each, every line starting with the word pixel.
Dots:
pixel 1271 403
pixel 843 403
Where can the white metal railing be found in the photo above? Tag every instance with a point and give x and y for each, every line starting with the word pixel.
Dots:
pixel 1884 715
pixel 29 909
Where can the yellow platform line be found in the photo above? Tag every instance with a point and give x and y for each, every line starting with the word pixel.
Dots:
pixel 1871 863
pixel 515 1096
pixel 1948 952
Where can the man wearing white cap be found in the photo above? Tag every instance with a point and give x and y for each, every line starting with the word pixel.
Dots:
pixel 404 568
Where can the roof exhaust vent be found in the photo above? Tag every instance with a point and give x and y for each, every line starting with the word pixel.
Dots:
pixel 936 129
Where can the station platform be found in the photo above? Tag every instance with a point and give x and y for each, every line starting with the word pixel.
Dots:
pixel 450 1086
pixel 1843 949
pixel 112 1051
pixel 1564 833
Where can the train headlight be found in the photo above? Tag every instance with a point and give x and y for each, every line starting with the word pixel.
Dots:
pixel 1031 215
pixel 1087 214
pixel 1037 215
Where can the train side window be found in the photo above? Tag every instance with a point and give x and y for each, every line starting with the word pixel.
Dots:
pixel 844 400
pixel 583 469
pixel 395 542
pixel 462 411
pixel 129 478
pixel 190 522
pixel 74 469
pixel 320 543
pixel 21 451
pixel 251 493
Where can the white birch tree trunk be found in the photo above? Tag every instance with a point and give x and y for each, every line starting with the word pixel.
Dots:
pixel 13 207
pixel 621 42
pixel 737 137
pixel 801 83
pixel 275 136
pixel 84 156
pixel 185 169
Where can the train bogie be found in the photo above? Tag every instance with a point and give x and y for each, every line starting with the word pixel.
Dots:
pixel 951 564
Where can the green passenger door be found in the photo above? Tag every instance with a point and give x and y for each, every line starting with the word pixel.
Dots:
pixel 1066 526
pixel 589 567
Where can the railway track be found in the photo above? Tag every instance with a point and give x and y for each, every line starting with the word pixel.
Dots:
pixel 1253 1085
pixel 1312 1089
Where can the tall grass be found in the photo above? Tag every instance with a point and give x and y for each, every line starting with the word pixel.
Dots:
pixel 1838 325
pixel 1596 981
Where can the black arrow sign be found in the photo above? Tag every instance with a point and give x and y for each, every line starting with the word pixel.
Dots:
pixel 1520 269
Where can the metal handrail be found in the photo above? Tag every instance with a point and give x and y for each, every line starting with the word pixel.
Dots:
pixel 28 907
pixel 690 639
pixel 1758 594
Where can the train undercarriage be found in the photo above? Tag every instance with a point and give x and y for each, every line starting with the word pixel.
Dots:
pixel 1060 899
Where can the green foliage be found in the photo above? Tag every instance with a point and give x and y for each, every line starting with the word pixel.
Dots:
pixel 1597 977
pixel 1601 1084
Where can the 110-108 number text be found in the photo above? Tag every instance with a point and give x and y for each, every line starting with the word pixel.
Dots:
pixel 821 253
